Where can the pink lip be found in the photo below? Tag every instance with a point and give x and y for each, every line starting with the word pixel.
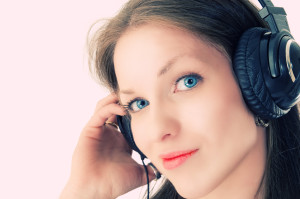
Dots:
pixel 175 159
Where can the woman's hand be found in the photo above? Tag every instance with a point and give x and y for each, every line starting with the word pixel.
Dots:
pixel 102 166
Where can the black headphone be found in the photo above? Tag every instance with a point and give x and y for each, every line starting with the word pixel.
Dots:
pixel 267 66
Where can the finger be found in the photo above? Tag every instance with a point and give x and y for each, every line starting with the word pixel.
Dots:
pixel 111 98
pixel 100 117
pixel 112 119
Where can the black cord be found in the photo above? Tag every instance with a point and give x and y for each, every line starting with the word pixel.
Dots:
pixel 147 177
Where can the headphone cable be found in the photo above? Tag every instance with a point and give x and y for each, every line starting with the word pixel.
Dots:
pixel 147 177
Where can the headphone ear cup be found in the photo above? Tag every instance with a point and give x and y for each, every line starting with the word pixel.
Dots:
pixel 124 123
pixel 247 68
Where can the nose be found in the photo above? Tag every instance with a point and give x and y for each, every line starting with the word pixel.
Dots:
pixel 164 121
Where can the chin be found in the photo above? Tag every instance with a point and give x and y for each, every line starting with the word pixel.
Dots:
pixel 191 194
pixel 193 190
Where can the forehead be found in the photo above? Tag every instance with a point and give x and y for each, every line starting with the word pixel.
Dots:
pixel 143 39
pixel 148 46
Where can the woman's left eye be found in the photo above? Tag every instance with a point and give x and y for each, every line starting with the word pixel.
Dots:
pixel 187 82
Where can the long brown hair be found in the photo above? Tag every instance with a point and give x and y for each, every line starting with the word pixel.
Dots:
pixel 220 23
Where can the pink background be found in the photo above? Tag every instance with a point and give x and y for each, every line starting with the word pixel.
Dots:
pixel 47 95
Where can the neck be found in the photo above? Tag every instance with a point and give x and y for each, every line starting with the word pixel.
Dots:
pixel 246 181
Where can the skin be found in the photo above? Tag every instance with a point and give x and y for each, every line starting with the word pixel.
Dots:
pixel 101 162
pixel 211 116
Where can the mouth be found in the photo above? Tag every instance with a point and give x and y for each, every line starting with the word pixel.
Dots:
pixel 175 159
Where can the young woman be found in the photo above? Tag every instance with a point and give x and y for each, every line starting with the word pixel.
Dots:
pixel 170 66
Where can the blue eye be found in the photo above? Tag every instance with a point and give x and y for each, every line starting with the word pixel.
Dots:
pixel 187 82
pixel 137 104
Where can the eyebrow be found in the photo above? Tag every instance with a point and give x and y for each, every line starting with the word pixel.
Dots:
pixel 164 69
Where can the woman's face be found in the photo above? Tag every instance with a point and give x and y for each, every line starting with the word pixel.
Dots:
pixel 184 99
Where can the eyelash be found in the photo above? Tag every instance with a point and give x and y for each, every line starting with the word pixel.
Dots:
pixel 195 75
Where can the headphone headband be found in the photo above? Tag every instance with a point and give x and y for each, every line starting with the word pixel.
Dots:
pixel 274 16
pixel 265 3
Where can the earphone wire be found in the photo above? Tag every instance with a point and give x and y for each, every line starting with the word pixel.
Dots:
pixel 146 170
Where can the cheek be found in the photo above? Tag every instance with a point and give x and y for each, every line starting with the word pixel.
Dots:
pixel 138 128
pixel 232 128
pixel 227 120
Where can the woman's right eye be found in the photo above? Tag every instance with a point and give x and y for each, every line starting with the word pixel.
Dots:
pixel 137 104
